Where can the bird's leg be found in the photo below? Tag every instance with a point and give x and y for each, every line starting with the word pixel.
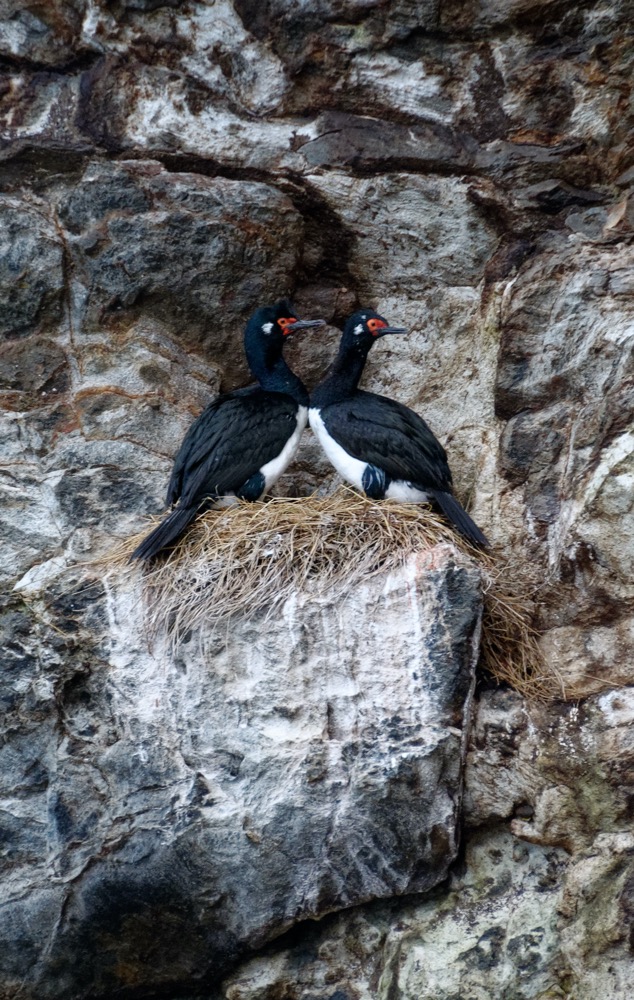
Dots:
pixel 374 482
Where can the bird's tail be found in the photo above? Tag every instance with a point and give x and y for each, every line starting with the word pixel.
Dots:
pixel 166 533
pixel 458 516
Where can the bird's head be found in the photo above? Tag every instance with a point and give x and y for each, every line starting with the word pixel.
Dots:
pixel 272 324
pixel 365 327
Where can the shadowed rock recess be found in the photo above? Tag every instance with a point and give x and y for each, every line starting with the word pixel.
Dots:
pixel 172 823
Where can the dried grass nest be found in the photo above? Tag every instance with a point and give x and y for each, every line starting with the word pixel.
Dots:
pixel 253 556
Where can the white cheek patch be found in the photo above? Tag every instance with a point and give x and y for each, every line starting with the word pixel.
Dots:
pixel 358 329
pixel 267 327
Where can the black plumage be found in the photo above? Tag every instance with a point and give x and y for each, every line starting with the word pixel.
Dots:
pixel 393 451
pixel 389 436
pixel 242 442
pixel 209 462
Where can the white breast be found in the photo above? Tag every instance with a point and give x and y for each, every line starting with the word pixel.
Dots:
pixel 350 468
pixel 274 469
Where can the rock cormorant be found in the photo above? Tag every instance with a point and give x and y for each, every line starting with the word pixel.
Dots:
pixel 376 443
pixel 245 439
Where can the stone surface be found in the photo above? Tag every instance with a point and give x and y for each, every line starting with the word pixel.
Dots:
pixel 540 905
pixel 172 811
pixel 564 385
pixel 466 169
pixel 195 252
pixel 86 427
pixel 492 933
pixel 31 269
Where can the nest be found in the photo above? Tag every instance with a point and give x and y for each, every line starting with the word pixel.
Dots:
pixel 252 557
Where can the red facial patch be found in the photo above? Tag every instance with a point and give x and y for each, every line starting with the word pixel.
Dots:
pixel 374 325
pixel 287 324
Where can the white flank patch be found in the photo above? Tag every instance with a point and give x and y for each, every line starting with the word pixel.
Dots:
pixel 229 500
pixel 405 492
pixel 274 469
pixel 350 468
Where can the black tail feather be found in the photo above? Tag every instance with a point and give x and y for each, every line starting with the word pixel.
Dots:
pixel 166 533
pixel 457 515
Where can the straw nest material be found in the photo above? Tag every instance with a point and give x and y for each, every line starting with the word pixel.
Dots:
pixel 253 556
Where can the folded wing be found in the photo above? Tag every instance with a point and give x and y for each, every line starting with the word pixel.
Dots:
pixel 232 439
pixel 385 433
pixel 229 442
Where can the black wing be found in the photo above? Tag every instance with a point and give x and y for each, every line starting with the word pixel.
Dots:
pixel 192 446
pixel 389 435
pixel 229 442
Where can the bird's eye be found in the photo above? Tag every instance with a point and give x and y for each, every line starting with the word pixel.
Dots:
pixel 374 325
pixel 286 323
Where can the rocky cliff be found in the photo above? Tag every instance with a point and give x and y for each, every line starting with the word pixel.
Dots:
pixel 467 169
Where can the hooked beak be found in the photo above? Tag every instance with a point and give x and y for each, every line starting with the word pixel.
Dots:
pixel 303 324
pixel 392 329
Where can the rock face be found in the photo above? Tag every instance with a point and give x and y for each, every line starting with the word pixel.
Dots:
pixel 171 812
pixel 467 170
pixel 492 933
pixel 540 907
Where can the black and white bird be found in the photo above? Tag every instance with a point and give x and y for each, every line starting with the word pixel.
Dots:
pixel 375 443
pixel 244 440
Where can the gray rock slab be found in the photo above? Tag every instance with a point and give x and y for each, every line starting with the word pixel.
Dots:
pixel 31 274
pixel 493 934
pixel 199 253
pixel 540 905
pixel 179 808
pixel 436 236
